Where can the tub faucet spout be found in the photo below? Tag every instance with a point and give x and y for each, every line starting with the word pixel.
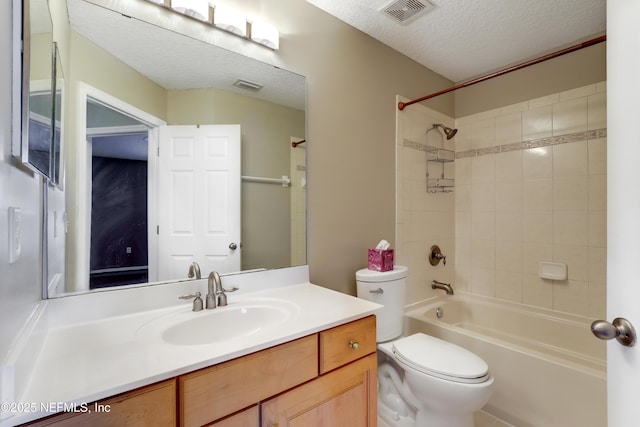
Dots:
pixel 444 286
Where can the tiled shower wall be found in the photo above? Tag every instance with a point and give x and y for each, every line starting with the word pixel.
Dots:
pixel 530 186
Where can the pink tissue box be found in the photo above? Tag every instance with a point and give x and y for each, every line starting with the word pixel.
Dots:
pixel 380 259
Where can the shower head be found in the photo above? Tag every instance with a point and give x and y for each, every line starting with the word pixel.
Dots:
pixel 450 133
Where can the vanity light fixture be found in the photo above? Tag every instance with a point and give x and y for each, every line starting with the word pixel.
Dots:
pixel 225 18
pixel 265 34
pixel 230 19
pixel 198 9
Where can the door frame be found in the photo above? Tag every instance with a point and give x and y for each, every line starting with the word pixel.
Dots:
pixel 85 93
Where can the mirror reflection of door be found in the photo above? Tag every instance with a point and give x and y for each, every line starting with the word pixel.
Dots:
pixel 119 239
pixel 118 163
pixel 199 199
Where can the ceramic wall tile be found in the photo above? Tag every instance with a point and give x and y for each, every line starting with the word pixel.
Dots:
pixel 597 111
pixel 570 116
pixel 509 196
pixel 536 291
pixel 571 297
pixel 537 195
pixel 509 256
pixel 571 159
pixel 537 163
pixel 537 123
pixel 571 193
pixel 508 128
pixel 571 227
pixel 508 166
pixel 508 286
pixel 484 133
pixel 597 156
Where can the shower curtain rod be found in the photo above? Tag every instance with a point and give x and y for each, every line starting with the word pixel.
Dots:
pixel 402 105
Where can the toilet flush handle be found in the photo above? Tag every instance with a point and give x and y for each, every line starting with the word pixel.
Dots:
pixel 377 291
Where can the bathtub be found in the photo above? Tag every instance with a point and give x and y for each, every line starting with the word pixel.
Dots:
pixel 549 370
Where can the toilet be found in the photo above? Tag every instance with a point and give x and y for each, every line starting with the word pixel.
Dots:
pixel 422 380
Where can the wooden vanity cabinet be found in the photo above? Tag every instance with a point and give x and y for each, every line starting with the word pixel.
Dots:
pixel 345 392
pixel 324 379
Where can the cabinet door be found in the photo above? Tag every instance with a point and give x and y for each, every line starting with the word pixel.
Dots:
pixel 345 397
pixel 247 418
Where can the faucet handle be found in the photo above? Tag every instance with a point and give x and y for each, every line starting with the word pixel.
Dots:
pixel 221 297
pixel 197 300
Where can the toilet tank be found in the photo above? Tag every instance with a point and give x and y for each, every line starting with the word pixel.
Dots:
pixel 386 288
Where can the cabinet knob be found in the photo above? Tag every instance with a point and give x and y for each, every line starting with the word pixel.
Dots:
pixel 354 345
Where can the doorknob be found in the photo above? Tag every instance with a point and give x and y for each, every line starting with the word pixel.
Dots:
pixel 621 329
pixel 233 246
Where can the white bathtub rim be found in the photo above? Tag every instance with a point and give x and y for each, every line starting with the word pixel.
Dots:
pixel 411 309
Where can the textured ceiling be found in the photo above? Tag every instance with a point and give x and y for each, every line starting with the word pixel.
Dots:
pixel 461 39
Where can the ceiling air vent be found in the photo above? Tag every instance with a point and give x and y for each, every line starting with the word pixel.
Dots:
pixel 246 84
pixel 405 10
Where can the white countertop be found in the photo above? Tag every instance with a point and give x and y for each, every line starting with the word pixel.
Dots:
pixel 86 359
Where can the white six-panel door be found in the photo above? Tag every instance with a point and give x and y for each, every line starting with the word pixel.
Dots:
pixel 199 199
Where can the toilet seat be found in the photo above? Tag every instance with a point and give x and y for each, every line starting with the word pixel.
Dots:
pixel 438 358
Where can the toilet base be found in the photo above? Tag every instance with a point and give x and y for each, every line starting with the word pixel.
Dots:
pixel 394 418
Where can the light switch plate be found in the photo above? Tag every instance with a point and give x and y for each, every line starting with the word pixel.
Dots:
pixel 15 220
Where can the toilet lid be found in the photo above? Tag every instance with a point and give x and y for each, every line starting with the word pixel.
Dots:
pixel 433 356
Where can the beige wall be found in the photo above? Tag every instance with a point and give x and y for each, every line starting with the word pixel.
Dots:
pixel 566 72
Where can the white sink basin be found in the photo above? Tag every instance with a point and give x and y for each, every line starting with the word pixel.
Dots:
pixel 237 320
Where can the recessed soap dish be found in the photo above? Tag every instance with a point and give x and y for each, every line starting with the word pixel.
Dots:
pixel 552 270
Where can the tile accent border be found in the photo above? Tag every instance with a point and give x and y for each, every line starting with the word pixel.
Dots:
pixel 524 145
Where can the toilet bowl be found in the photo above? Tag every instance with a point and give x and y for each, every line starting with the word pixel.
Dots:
pixel 422 380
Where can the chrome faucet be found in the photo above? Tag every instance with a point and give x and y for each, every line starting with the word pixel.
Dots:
pixel 214 288
pixel 444 286
pixel 216 296
pixel 194 271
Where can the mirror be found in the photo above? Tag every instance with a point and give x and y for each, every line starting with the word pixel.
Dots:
pixel 33 86
pixel 135 75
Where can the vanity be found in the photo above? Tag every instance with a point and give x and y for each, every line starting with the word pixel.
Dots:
pixel 310 364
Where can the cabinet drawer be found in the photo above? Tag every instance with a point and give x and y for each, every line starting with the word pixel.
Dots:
pixel 346 343
pixel 151 406
pixel 212 393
